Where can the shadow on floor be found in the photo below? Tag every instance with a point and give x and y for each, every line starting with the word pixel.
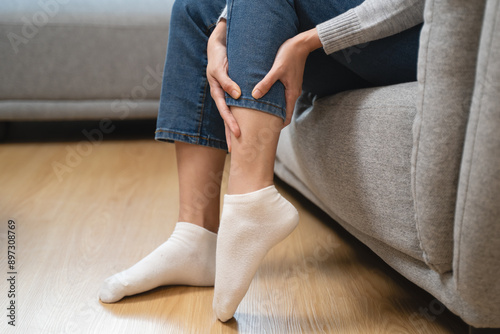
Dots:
pixel 63 131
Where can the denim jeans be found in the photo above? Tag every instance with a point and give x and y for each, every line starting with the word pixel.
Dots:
pixel 255 31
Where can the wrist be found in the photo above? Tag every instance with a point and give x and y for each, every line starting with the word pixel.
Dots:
pixel 310 40
pixel 219 33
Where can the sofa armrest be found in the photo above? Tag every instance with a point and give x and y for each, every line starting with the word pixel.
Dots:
pixel 476 262
pixel 446 69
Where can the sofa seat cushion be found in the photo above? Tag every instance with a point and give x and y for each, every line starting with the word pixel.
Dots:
pixel 351 155
pixel 82 49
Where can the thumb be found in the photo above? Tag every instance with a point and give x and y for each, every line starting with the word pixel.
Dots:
pixel 265 85
pixel 229 86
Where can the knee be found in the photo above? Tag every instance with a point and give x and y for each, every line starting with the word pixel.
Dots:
pixel 183 6
pixel 195 9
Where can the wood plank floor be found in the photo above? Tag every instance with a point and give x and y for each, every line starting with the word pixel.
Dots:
pixel 116 201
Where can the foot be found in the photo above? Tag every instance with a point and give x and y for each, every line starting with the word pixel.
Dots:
pixel 251 224
pixel 186 258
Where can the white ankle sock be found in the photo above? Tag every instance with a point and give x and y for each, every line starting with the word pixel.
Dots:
pixel 186 258
pixel 251 224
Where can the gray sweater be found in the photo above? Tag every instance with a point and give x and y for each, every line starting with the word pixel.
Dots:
pixel 372 20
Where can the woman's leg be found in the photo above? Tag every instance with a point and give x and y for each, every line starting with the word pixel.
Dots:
pixel 255 217
pixel 200 171
pixel 386 61
pixel 252 158
pixel 189 117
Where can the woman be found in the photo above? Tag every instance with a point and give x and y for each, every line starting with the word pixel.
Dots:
pixel 230 83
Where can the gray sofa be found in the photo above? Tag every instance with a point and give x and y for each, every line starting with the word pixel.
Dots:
pixel 413 170
pixel 81 59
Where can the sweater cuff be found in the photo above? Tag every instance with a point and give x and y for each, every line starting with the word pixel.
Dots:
pixel 340 32
pixel 223 15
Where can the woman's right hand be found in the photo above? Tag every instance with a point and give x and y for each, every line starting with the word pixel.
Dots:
pixel 219 80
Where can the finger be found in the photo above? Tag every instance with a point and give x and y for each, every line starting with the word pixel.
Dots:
pixel 227 115
pixel 218 95
pixel 228 137
pixel 228 85
pixel 224 81
pixel 265 84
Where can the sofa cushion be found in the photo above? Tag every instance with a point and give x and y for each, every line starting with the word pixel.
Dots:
pixel 350 154
pixel 446 70
pixel 82 49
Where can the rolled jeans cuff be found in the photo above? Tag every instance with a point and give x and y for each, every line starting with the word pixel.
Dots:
pixel 261 105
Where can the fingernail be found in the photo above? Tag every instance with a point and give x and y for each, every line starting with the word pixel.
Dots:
pixel 235 94
pixel 257 94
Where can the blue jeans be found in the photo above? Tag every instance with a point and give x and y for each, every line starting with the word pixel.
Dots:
pixel 255 31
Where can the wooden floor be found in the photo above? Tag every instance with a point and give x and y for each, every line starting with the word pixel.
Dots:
pixel 84 211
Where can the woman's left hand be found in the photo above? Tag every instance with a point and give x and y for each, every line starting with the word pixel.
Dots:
pixel 288 68
pixel 219 80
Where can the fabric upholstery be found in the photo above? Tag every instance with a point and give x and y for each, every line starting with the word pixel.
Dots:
pixel 477 223
pixel 71 110
pixel 359 163
pixel 82 49
pixel 447 61
pixel 454 164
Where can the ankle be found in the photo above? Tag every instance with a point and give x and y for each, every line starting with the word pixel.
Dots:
pixel 243 185
pixel 209 222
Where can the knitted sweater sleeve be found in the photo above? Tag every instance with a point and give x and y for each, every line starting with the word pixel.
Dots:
pixel 372 20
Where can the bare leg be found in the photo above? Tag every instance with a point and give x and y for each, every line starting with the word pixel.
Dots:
pixel 253 153
pixel 200 171
pixel 255 216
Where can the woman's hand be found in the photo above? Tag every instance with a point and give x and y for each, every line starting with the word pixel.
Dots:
pixel 288 68
pixel 219 80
